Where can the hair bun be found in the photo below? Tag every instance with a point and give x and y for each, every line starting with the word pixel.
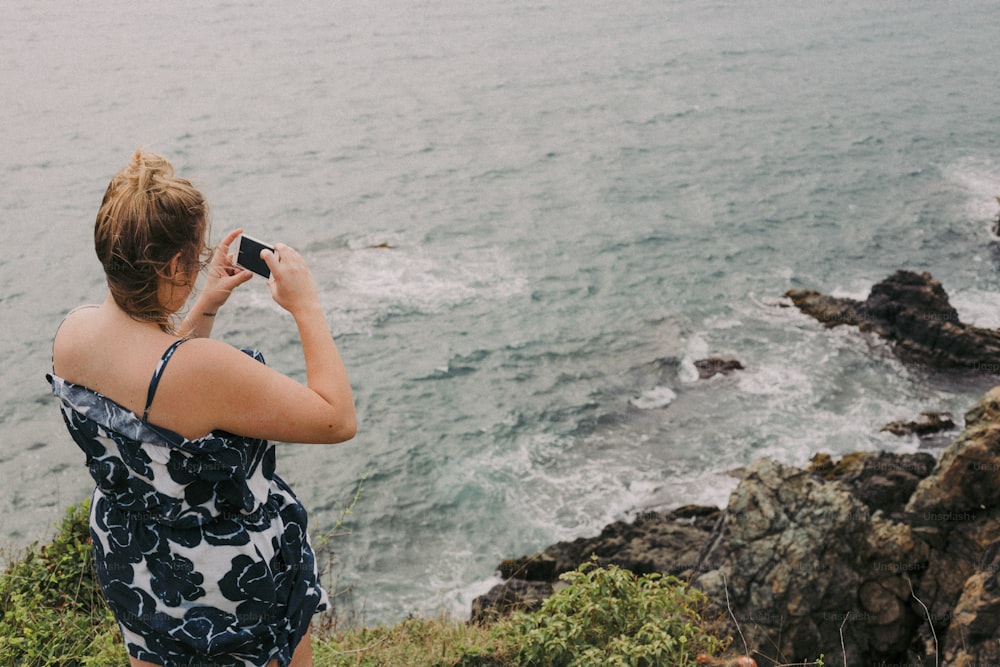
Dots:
pixel 146 169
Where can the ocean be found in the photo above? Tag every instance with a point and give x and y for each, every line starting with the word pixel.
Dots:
pixel 527 219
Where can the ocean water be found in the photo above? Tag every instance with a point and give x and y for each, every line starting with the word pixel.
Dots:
pixel 579 200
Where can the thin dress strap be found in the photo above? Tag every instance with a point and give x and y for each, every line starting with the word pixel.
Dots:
pixel 154 382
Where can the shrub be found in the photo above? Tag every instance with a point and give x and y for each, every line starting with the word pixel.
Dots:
pixel 609 616
pixel 51 608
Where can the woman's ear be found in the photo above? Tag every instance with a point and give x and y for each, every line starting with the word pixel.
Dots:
pixel 178 269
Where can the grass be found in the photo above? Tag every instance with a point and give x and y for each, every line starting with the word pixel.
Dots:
pixel 52 613
pixel 51 609
pixel 415 642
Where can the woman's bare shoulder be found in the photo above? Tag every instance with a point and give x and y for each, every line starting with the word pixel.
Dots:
pixel 204 362
pixel 209 352
pixel 72 335
pixel 85 307
pixel 76 317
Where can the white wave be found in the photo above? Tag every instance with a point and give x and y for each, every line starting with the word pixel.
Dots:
pixel 716 323
pixel 458 599
pixel 710 488
pixel 390 277
pixel 859 291
pixel 696 348
pixel 569 488
pixel 369 278
pixel 374 282
pixel 657 397
pixel 980 178
pixel 767 380
pixel 977 307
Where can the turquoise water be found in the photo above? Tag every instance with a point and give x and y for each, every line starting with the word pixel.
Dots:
pixel 580 199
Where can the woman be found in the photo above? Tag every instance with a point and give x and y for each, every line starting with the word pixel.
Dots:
pixel 201 550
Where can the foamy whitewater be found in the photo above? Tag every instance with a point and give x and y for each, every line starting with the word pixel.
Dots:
pixel 528 221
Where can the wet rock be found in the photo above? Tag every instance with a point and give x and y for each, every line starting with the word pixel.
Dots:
pixel 667 542
pixel 911 310
pixel 930 422
pixel 714 366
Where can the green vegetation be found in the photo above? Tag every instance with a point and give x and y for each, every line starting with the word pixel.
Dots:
pixel 604 616
pixel 51 609
pixel 52 613
pixel 609 616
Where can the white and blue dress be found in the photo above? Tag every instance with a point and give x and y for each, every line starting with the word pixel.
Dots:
pixel 201 549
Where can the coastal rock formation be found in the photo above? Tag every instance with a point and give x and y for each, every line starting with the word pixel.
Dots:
pixel 667 542
pixel 801 560
pixel 911 310
pixel 875 558
pixel 956 510
pixel 510 596
pixel 883 481
pixel 930 422
pixel 713 366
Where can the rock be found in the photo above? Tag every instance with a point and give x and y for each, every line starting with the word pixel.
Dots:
pixel 930 422
pixel 539 567
pixel 790 556
pixel 667 542
pixel 510 596
pixel 890 550
pixel 823 465
pixel 965 477
pixel 713 366
pixel 971 636
pixel 885 481
pixel 877 558
pixel 956 509
pixel 912 311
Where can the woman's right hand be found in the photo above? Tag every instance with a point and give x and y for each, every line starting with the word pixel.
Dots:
pixel 292 284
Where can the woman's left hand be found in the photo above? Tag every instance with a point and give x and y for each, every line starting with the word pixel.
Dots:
pixel 222 275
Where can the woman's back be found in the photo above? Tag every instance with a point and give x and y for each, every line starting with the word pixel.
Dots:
pixel 202 551
pixel 101 349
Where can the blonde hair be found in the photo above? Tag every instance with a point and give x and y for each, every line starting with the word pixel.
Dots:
pixel 147 217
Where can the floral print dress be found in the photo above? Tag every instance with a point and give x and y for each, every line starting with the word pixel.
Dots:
pixel 201 549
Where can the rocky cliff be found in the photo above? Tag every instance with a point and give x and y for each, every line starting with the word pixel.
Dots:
pixel 874 559
pixel 882 558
